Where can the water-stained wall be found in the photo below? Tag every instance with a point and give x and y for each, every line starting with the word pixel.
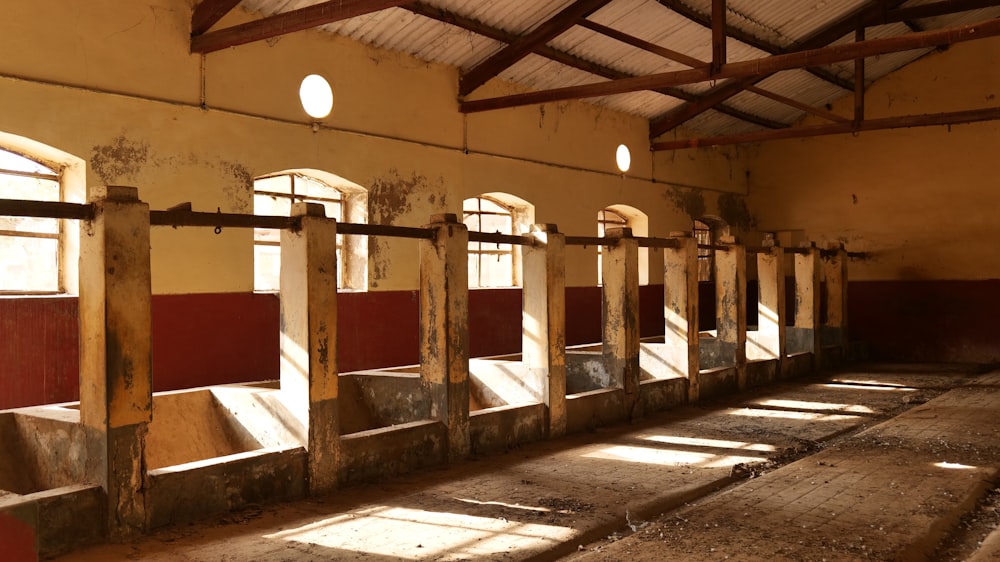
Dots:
pixel 115 84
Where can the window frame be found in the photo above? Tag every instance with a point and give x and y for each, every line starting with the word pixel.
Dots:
pixel 352 202
pixel 475 249
pixel 602 227
pixel 67 174
pixel 704 235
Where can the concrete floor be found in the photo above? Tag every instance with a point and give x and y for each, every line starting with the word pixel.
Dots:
pixel 878 463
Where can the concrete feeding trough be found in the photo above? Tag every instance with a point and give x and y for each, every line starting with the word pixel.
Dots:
pixel 386 425
pixel 214 450
pixel 46 480
pixel 507 405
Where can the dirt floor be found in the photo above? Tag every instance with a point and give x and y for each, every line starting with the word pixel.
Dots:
pixel 835 468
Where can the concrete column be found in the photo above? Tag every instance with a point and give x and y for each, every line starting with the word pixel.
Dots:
pixel 807 283
pixel 543 343
pixel 680 310
pixel 731 306
pixel 116 400
pixel 620 272
pixel 444 328
pixel 771 315
pixel 835 272
pixel 309 338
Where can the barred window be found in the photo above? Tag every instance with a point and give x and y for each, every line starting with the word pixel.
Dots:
pixel 30 248
pixel 706 256
pixel 274 195
pixel 490 265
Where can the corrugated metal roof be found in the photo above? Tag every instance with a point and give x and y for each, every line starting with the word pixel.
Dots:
pixel 777 22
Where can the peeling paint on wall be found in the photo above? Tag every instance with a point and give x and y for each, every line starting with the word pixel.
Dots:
pixel 393 196
pixel 734 210
pixel 120 161
pixel 238 188
pixel 689 200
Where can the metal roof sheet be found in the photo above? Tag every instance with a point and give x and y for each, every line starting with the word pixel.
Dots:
pixel 778 22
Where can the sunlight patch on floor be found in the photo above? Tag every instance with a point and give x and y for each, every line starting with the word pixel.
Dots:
pixel 857 384
pixel 714 443
pixel 667 457
pixel 418 534
pixel 804 416
pixel 803 405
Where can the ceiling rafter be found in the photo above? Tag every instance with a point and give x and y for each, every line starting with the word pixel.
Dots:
pixel 752 40
pixel 876 13
pixel 757 68
pixel 664 52
pixel 513 52
pixel 698 63
pixel 828 115
pixel 881 124
pixel 208 13
pixel 562 57
pixel 288 22
pixel 819 38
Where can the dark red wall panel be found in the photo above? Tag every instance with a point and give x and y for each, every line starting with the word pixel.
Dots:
pixel 950 321
pixel 216 338
pixel 39 351
pixel 494 322
pixel 377 329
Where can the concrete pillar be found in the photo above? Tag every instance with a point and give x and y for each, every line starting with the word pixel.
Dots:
pixel 543 343
pixel 620 272
pixel 807 284
pixel 680 310
pixel 771 315
pixel 731 305
pixel 116 400
pixel 309 338
pixel 835 272
pixel 444 328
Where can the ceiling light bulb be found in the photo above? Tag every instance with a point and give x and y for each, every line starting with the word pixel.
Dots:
pixel 623 157
pixel 316 96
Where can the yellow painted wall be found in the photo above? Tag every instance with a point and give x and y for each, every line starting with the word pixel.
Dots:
pixel 922 201
pixel 112 82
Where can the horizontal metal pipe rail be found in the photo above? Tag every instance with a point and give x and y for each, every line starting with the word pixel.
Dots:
pixel 46 209
pixel 218 220
pixel 497 238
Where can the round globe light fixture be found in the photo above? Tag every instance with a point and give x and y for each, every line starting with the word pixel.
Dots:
pixel 316 96
pixel 623 158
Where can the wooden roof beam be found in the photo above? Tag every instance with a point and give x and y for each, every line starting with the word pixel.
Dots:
pixel 748 70
pixel 822 113
pixel 288 22
pixel 208 13
pixel 752 40
pixel 819 38
pixel 562 57
pixel 951 118
pixel 516 51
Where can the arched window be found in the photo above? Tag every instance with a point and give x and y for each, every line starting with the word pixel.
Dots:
pixel 707 231
pixel 706 256
pixel 343 200
pixel 38 255
pixel 624 216
pixel 496 265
